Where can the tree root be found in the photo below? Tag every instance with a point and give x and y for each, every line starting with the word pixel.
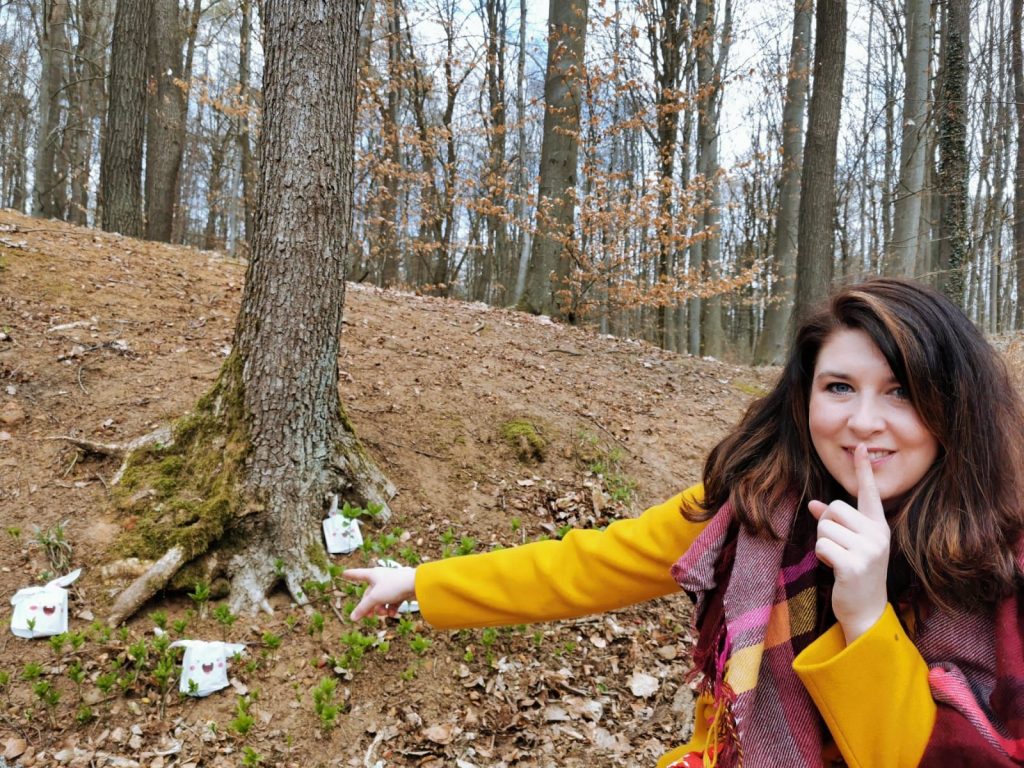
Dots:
pixel 119 450
pixel 146 585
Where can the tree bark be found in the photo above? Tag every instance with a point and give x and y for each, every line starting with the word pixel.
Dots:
pixel 165 117
pixel 953 156
pixel 52 54
pixel 242 122
pixel 547 282
pixel 902 253
pixel 817 180
pixel 1017 64
pixel 771 346
pixel 121 163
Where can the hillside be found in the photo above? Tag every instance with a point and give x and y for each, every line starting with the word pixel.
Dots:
pixel 103 338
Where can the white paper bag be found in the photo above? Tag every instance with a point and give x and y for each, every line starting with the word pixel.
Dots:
pixel 206 664
pixel 42 611
pixel 341 534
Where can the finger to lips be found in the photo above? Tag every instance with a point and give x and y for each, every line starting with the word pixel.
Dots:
pixel 869 502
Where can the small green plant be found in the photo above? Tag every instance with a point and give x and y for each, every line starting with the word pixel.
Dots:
pixel 222 613
pixel 163 673
pixel 467 546
pixel 159 618
pixel 56 546
pixel 371 511
pixel 84 714
pixel 57 643
pixel 76 673
pixel 316 625
pixel 180 625
pixel 200 595
pixel 14 532
pixel 419 644
pixel 271 641
pixel 408 674
pixel 354 646
pixel 106 682
pixel 405 626
pixel 325 703
pixel 48 696
pixel 250 757
pixel 31 671
pixel 243 721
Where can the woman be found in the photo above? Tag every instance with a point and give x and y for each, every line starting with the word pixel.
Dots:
pixel 854 553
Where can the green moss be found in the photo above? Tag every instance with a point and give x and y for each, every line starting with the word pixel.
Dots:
pixel 525 438
pixel 748 388
pixel 196 480
pixel 318 556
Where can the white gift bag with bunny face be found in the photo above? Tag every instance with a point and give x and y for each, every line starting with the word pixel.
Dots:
pixel 205 664
pixel 42 611
pixel 341 534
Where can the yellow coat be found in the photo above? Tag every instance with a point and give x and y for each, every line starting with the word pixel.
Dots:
pixel 873 695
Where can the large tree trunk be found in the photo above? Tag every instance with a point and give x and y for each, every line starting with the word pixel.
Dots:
pixel 547 279
pixel 817 182
pixel 273 424
pixel 121 163
pixel 771 346
pixel 902 253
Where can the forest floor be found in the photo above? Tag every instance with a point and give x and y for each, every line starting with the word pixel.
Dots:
pixel 104 338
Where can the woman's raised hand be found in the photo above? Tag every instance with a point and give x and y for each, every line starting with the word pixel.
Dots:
pixel 388 588
pixel 854 542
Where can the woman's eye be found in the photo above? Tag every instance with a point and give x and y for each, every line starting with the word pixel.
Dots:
pixel 839 388
pixel 901 393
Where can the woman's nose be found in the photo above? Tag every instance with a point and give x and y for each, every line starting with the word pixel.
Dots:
pixel 866 417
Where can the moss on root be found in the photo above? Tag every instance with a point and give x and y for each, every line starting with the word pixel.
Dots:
pixel 187 493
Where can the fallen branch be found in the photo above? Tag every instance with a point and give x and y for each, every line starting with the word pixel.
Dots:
pixel 147 585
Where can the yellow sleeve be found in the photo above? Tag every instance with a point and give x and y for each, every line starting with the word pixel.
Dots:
pixel 588 571
pixel 873 694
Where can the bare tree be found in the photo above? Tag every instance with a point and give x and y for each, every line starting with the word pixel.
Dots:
pixel 53 43
pixel 121 164
pixel 817 185
pixel 1016 43
pixel 551 258
pixel 273 424
pixel 902 253
pixel 771 346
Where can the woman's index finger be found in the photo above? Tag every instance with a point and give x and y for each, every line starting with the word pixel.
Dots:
pixel 869 502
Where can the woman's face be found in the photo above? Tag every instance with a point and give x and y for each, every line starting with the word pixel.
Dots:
pixel 856 399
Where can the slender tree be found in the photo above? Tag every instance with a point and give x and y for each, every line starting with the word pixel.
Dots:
pixel 815 240
pixel 547 279
pixel 1017 57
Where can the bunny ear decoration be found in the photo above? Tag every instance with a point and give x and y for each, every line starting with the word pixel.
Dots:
pixel 204 668
pixel 42 611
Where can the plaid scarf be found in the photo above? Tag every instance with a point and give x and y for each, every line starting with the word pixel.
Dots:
pixel 752 622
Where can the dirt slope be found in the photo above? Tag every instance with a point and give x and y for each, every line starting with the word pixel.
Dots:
pixel 105 338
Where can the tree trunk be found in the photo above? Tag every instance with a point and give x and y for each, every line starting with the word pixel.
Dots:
pixel 953 155
pixel 242 121
pixel 902 253
pixel 52 54
pixel 121 164
pixel 548 289
pixel 771 346
pixel 273 424
pixel 817 180
pixel 165 117
pixel 1017 56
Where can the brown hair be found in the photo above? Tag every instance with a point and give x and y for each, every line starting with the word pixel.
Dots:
pixel 957 529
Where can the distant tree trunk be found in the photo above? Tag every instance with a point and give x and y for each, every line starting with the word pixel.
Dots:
pixel 668 30
pixel 388 230
pixel 953 154
pixel 52 54
pixel 165 117
pixel 121 164
pixel 522 183
pixel 1016 14
pixel 771 346
pixel 242 122
pixel 214 194
pixel 817 181
pixel 547 281
pixel 712 330
pixel 89 65
pixel 902 253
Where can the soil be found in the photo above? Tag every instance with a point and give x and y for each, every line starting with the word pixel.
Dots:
pixel 104 338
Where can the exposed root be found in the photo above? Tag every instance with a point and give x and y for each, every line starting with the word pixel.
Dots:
pixel 146 585
pixel 162 435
